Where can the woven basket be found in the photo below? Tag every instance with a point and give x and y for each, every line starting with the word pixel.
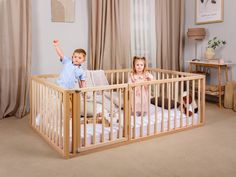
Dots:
pixel 229 98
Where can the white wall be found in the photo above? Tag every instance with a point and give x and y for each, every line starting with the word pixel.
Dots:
pixel 224 31
pixel 71 35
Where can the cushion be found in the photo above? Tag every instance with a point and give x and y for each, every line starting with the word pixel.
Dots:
pixel 99 78
pixel 115 97
pixel 89 110
pixel 159 103
pixel 96 78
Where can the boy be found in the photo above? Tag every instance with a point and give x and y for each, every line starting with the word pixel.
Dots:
pixel 72 72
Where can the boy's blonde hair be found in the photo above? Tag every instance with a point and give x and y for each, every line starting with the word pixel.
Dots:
pixel 135 58
pixel 80 51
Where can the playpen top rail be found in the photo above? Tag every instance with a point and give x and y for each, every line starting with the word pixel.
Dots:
pixel 100 88
pixel 188 76
pixel 194 77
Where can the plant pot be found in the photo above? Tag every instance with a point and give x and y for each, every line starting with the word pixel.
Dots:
pixel 209 54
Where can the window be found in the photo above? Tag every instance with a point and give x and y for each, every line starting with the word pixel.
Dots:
pixel 143 36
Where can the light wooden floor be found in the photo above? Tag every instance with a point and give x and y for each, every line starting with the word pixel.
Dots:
pixel 209 151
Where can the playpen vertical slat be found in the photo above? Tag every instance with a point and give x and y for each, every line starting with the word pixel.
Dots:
pixel 51 118
pixel 175 100
pixel 149 116
pixel 169 98
pixel 32 106
pixel 46 123
pixel 57 116
pixel 129 98
pixel 163 76
pixel 123 77
pixel 54 117
pixel 103 120
pixel 94 117
pixel 188 93
pixel 193 98
pixel 172 87
pixel 127 115
pixel 177 95
pixel 181 102
pixel 40 108
pixel 32 103
pixel 61 118
pixel 134 113
pixel 111 114
pixel 162 107
pixel 203 100
pixel 119 114
pixel 79 143
pixel 141 128
pixel 156 122
pixel 53 114
pixel 199 100
pixel 75 122
pixel 66 124
pixel 112 78
pixel 85 120
pixel 37 103
pixel 117 78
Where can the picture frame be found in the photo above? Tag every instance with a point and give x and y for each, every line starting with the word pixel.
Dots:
pixel 63 11
pixel 209 11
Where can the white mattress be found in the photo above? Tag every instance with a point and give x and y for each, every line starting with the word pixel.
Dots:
pixel 107 130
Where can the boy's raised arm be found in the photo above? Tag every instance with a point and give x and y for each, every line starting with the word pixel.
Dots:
pixel 58 50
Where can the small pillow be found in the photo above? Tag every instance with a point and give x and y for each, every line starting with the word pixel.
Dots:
pixel 115 97
pixel 159 103
pixel 89 110
pixel 99 78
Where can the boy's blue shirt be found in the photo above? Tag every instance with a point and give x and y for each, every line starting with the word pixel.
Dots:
pixel 70 74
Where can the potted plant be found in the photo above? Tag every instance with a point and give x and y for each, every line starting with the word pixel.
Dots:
pixel 212 45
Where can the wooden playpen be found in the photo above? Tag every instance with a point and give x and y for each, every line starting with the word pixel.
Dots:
pixel 83 120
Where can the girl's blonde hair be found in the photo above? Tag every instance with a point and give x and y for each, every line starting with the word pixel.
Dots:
pixel 135 58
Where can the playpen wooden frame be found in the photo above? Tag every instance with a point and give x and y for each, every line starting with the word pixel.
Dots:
pixel 58 108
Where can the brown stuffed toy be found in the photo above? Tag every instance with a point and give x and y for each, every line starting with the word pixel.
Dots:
pixel 192 105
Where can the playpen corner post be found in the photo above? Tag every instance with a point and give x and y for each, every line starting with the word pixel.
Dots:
pixel 203 106
pixel 66 125
pixel 75 122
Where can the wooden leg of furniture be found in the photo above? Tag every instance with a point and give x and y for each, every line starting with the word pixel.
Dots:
pixel 190 68
pixel 219 85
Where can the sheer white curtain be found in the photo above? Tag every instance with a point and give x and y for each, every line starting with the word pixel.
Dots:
pixel 143 35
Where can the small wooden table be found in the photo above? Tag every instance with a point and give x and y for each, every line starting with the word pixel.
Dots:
pixel 219 66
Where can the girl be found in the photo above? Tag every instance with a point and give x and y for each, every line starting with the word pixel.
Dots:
pixel 139 74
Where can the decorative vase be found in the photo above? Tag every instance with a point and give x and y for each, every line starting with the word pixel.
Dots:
pixel 209 54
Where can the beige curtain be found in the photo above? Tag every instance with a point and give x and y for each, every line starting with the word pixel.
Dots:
pixel 109 34
pixel 15 56
pixel 170 33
